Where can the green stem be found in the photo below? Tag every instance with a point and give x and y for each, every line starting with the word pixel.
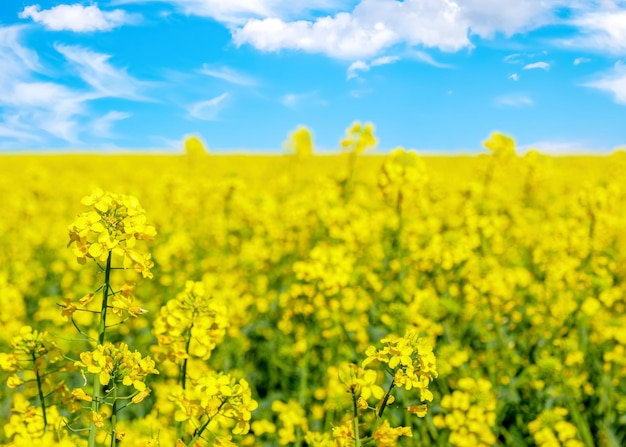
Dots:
pixel 183 370
pixel 198 433
pixel 94 407
pixel 182 379
pixel 385 400
pixel 105 297
pixel 114 411
pixel 355 409
pixel 42 401
pixel 304 379
pixel 95 403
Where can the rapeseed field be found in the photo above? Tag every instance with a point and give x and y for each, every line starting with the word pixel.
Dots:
pixel 306 300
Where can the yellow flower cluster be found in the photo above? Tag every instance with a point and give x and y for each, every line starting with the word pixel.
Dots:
pixel 117 364
pixel 359 138
pixel 411 359
pixel 402 175
pixel 191 324
pixel 115 224
pixel 292 419
pixel 470 414
pixel 32 351
pixel 215 395
pixel 550 429
pixel 512 266
pixel 25 426
pixel 387 436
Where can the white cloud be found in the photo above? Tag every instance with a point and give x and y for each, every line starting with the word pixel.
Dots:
pixel 10 132
pixel 96 70
pixel 240 11
pixel 102 126
pixel 514 58
pixel 77 17
pixel 46 106
pixel 603 31
pixel 229 75
pixel 35 105
pixel 208 110
pixel 537 65
pixel 16 60
pixel 581 60
pixel 427 58
pixel 384 60
pixel 514 77
pixel 487 17
pixel 294 100
pixel 613 82
pixel 372 27
pixel 364 66
pixel 29 105
pixel 364 29
pixel 356 66
pixel 290 100
pixel 514 100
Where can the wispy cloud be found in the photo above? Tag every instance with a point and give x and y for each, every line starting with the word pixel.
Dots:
pixel 427 58
pixel 514 100
pixel 603 30
pixel 96 70
pixel 356 67
pixel 78 18
pixel 295 100
pixel 16 60
pixel 229 75
pixel 514 77
pixel 102 126
pixel 537 65
pixel 385 60
pixel 581 60
pixel 360 65
pixel 613 82
pixel 514 58
pixel 33 102
pixel 210 109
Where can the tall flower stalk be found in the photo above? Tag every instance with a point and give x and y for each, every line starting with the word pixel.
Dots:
pixel 110 230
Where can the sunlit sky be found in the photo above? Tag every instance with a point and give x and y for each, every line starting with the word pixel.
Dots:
pixel 432 75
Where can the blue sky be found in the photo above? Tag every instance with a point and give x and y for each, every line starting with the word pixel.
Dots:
pixel 432 75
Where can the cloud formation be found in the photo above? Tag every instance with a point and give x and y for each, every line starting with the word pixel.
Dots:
pixel 238 12
pixel 363 29
pixel 364 66
pixel 372 27
pixel 77 18
pixel 537 65
pixel 229 75
pixel 612 82
pixel 603 31
pixel 34 102
pixel 96 71
pixel 208 110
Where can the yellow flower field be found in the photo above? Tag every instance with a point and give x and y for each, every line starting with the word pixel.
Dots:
pixel 308 300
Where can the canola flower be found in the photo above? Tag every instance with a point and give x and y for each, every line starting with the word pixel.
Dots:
pixel 510 266
pixel 115 224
